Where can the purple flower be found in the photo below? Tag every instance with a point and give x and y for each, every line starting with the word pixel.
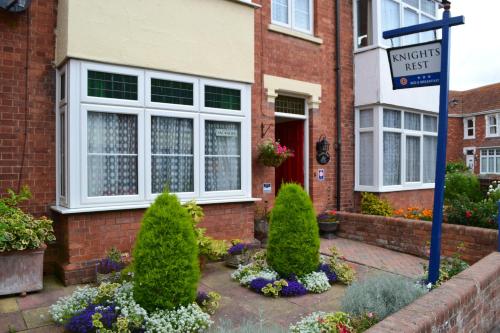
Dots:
pixel 332 277
pixel 237 248
pixel 107 265
pixel 294 288
pixel 259 283
pixel 82 321
pixel 201 297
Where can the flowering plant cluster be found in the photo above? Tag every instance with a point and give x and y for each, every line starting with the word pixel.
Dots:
pixel 327 216
pixel 239 248
pixel 344 273
pixel 334 322
pixel 208 302
pixel 273 154
pixel 111 308
pixel 414 213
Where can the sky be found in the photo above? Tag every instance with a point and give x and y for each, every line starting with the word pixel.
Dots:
pixel 475 46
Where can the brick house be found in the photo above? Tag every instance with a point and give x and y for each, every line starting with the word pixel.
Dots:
pixel 474 136
pixel 103 103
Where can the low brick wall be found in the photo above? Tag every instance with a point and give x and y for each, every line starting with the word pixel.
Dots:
pixel 469 302
pixel 412 236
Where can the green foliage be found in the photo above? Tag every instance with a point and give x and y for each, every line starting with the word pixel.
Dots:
pixel 273 289
pixel 381 295
pixel 373 205
pixel 19 230
pixel 166 268
pixel 364 322
pixel 344 272
pixel 458 166
pixel 462 184
pixel 450 266
pixel 293 246
pixel 464 211
pixel 114 254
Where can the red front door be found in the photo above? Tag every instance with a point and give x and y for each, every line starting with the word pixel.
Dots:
pixel 291 134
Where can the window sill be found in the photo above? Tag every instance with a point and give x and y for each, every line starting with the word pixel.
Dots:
pixel 400 188
pixel 294 33
pixel 64 210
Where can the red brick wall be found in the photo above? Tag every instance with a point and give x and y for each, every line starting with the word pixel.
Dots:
pixel 84 238
pixel 402 199
pixel 467 303
pixel 412 236
pixel 27 121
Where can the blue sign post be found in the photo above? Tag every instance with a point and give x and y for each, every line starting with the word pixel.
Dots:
pixel 444 24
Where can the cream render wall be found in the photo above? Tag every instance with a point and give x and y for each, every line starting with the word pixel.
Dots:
pixel 213 38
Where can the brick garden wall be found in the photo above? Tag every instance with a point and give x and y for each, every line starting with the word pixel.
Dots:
pixel 412 236
pixel 468 302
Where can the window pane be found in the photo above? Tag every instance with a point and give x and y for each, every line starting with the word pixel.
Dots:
pixel 172 159
pixel 112 154
pixel 364 17
pixel 280 11
pixel 392 158
pixel 428 6
pixel 430 124
pixel 428 35
pixel 412 121
pixel 390 18
pixel 497 170
pixel 62 152
pixel 302 17
pixel 491 164
pixel 413 3
pixel 470 132
pixel 62 87
pixel 366 158
pixel 484 165
pixel 293 105
pixel 112 85
pixel 392 118
pixel 222 156
pixel 222 98
pixel 430 152
pixel 412 159
pixel 410 18
pixel 366 118
pixel 173 92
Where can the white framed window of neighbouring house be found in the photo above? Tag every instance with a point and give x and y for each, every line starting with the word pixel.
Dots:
pixel 293 14
pixel 491 121
pixel 395 149
pixel 489 161
pixel 134 133
pixel 470 128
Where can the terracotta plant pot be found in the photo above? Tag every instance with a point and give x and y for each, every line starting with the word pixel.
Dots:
pixel 21 271
pixel 327 229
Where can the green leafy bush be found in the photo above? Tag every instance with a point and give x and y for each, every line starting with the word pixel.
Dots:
pixel 458 166
pixel 166 268
pixel 19 230
pixel 373 205
pixel 381 295
pixel 464 211
pixel 462 184
pixel 293 246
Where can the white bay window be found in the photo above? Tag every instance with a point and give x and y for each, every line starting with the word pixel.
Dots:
pixel 134 133
pixel 395 149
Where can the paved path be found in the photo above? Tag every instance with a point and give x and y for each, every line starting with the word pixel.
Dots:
pixel 237 304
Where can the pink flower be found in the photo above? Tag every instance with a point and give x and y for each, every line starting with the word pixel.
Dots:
pixel 370 315
pixel 468 214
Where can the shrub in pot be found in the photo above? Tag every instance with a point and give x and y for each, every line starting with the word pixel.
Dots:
pixel 328 224
pixel 22 245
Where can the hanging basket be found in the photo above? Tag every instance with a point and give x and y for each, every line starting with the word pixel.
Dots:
pixel 272 154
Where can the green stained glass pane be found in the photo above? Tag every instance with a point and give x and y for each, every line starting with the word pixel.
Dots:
pixel 222 98
pixel 292 105
pixel 172 92
pixel 110 85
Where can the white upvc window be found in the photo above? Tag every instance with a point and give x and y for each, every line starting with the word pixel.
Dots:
pixel 293 14
pixel 395 149
pixel 470 128
pixel 135 132
pixel 492 129
pixel 490 161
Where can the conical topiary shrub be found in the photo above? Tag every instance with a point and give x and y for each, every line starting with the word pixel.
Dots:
pixel 293 246
pixel 166 269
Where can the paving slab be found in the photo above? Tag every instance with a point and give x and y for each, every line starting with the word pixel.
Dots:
pixel 8 304
pixel 37 317
pixel 12 321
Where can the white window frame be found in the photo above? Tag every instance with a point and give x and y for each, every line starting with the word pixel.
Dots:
pixel 489 126
pixel 378 139
pixel 79 104
pixel 291 17
pixel 487 156
pixel 467 128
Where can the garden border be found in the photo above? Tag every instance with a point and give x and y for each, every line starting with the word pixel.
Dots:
pixel 412 236
pixel 466 303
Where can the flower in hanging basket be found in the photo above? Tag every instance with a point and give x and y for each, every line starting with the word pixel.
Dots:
pixel 273 154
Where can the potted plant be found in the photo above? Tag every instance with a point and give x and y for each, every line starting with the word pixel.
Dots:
pixel 328 224
pixel 22 245
pixel 109 268
pixel 272 153
pixel 238 254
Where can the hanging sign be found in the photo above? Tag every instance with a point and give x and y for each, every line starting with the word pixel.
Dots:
pixel 417 65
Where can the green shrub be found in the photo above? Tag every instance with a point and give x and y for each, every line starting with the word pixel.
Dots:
pixel 449 267
pixel 458 166
pixel 166 268
pixel 19 230
pixel 373 205
pixel 381 295
pixel 464 211
pixel 458 184
pixel 293 246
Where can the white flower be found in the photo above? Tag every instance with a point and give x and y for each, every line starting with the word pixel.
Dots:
pixel 308 324
pixel 315 282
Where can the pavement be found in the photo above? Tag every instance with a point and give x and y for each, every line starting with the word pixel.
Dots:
pixel 238 304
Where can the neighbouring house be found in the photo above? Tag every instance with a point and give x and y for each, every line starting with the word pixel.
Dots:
pixel 474 132
pixel 104 103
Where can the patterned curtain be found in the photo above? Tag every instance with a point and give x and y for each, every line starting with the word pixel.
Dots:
pixel 172 159
pixel 222 156
pixel 412 158
pixel 112 154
